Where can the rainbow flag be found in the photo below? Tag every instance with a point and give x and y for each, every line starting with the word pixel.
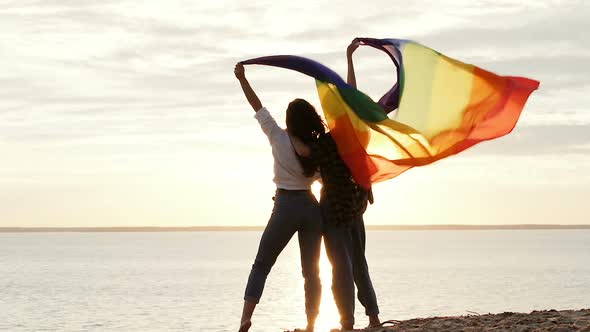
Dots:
pixel 442 107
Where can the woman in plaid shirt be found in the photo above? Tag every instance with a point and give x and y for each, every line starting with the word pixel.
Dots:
pixel 342 203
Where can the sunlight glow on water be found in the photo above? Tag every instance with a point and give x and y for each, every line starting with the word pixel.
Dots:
pixel 328 317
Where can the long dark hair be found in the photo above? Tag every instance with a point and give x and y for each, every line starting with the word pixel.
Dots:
pixel 304 123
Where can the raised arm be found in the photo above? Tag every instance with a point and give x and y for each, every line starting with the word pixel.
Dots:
pixel 351 78
pixel 248 92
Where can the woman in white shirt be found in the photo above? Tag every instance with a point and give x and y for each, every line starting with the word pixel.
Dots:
pixel 295 210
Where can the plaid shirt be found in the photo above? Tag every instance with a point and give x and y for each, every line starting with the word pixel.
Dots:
pixel 341 198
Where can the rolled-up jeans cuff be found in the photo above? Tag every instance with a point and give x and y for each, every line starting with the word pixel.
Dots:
pixel 251 299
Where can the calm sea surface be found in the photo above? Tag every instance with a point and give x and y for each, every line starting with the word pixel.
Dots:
pixel 195 281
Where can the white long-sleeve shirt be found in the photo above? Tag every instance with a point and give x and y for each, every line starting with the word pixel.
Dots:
pixel 288 173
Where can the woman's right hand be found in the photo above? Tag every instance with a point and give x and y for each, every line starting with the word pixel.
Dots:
pixel 248 91
pixel 239 71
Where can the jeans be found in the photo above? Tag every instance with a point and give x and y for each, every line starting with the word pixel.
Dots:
pixel 360 269
pixel 345 247
pixel 294 211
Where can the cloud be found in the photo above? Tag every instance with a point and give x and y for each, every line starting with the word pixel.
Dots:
pixel 134 85
pixel 540 140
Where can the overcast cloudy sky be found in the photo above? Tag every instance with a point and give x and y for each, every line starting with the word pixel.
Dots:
pixel 127 112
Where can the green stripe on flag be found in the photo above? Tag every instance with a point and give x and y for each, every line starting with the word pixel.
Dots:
pixel 362 105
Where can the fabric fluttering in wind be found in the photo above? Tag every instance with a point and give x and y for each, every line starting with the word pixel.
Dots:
pixel 439 107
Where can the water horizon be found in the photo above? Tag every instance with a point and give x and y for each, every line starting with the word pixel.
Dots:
pixel 230 228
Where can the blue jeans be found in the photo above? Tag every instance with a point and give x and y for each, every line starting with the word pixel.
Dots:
pixel 360 269
pixel 294 211
pixel 345 247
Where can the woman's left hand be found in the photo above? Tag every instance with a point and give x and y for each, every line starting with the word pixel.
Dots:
pixel 352 47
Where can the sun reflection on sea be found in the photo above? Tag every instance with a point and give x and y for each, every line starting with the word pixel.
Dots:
pixel 328 317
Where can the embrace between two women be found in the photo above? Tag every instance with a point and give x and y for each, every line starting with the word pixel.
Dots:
pixel 299 152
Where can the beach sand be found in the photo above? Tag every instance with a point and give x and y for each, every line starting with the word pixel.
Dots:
pixel 537 321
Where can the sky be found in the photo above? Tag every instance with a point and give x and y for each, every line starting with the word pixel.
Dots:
pixel 127 113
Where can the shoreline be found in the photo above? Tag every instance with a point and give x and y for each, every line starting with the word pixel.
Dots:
pixel 538 321
pixel 260 228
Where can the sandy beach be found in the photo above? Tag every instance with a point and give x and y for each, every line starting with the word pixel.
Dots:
pixel 536 321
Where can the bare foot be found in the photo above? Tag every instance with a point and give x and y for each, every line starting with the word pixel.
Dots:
pixel 374 321
pixel 245 326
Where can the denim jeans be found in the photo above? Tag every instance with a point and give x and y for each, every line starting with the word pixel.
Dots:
pixel 360 269
pixel 345 247
pixel 294 211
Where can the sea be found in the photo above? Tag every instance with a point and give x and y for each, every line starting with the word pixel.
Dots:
pixel 194 281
